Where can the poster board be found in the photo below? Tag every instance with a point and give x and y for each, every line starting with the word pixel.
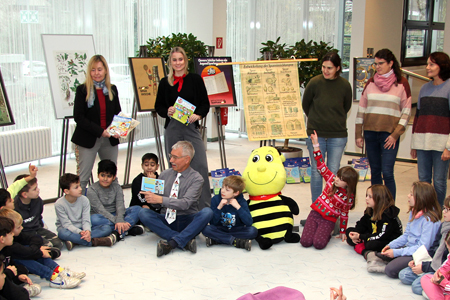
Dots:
pixel 146 73
pixel 272 104
pixel 66 57
pixel 219 80
pixel 363 71
pixel 6 117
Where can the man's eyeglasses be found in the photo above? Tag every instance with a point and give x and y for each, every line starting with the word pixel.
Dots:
pixel 175 157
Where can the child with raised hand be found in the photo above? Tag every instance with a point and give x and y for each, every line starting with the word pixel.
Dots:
pixel 378 226
pixel 28 250
pixel 437 286
pixel 30 206
pixel 73 217
pixel 149 167
pixel 337 198
pixel 412 274
pixel 232 222
pixel 7 196
pixel 424 222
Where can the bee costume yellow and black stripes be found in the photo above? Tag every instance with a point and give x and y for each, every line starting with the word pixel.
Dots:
pixel 272 213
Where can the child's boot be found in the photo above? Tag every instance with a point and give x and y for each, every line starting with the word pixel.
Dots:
pixel 210 242
pixel 104 241
pixel 243 243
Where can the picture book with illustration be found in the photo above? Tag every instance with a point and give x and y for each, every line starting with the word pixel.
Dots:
pixel 153 185
pixel 183 110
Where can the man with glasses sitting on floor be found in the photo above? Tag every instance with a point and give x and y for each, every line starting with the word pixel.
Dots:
pixel 179 220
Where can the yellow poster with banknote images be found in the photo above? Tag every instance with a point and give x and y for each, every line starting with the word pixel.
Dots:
pixel 272 104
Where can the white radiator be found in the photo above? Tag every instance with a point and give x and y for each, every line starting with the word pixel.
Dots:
pixel 19 146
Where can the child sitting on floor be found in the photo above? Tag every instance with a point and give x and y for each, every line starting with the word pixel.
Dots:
pixel 107 203
pixel 7 196
pixel 73 217
pixel 16 275
pixel 232 222
pixel 149 167
pixel 28 250
pixel 30 206
pixel 337 198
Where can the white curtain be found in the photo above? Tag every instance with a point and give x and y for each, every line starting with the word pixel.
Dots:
pixel 118 27
pixel 252 22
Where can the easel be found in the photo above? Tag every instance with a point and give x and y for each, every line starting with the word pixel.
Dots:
pixel 3 180
pixel 63 152
pixel 126 181
pixel 223 158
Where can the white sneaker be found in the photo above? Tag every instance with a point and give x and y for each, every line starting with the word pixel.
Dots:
pixel 33 290
pixel 64 282
pixel 72 274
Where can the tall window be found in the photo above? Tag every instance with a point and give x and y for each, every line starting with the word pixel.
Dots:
pixel 252 22
pixel 423 30
pixel 118 28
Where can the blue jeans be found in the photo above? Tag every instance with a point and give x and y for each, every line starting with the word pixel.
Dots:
pixel 381 160
pixel 407 276
pixel 430 165
pixel 182 230
pixel 43 267
pixel 334 148
pixel 96 232
pixel 224 235
pixel 131 216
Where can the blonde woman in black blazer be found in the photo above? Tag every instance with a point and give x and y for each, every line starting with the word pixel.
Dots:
pixel 96 103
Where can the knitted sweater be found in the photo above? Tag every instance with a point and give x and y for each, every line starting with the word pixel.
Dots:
pixel 384 112
pixel 330 208
pixel 325 100
pixel 431 128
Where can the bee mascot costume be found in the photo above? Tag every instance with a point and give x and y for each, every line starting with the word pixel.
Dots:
pixel 272 213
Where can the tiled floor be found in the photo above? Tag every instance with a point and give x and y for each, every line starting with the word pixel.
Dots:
pixel 131 270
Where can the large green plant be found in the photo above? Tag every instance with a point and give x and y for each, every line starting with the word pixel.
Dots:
pixel 161 46
pixel 302 49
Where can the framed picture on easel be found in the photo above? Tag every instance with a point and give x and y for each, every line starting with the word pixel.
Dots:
pixel 219 80
pixel 146 72
pixel 6 117
pixel 67 56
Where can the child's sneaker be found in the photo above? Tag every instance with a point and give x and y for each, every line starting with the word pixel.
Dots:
pixel 33 289
pixel 64 282
pixel 73 274
pixel 136 230
pixel 69 245
pixel 243 243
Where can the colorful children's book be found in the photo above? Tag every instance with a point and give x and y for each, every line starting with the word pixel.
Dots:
pixel 183 110
pixel 305 169
pixel 153 185
pixel 120 125
pixel 292 171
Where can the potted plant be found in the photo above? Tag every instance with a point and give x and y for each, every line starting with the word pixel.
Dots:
pixel 161 46
pixel 306 70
